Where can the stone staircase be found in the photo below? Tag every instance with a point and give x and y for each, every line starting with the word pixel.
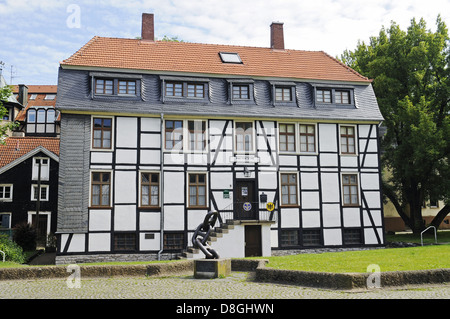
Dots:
pixel 216 235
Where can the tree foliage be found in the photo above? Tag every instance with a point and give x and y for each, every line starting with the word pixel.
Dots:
pixel 411 79
pixel 5 126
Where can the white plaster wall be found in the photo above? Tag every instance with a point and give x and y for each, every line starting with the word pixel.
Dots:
pixel 352 217
pixel 267 180
pixel 99 220
pixel 151 124
pixel 101 157
pixel 126 156
pixel 150 140
pixel 150 157
pixel 331 215
pixel 174 187
pixel 126 132
pixel 332 237
pixel 125 187
pixel 149 221
pixel 309 180
pixel 174 217
pixel 308 161
pixel 231 244
pixel 370 181
pixel 77 243
pixel 290 218
pixel 99 242
pixel 376 216
pixel 370 236
pixel 149 244
pixel 311 219
pixel 330 187
pixel 125 217
pixel 327 137
pixel 329 160
pixel 310 200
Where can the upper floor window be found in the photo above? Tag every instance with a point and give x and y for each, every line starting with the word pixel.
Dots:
pixel 283 94
pixel 342 97
pixel 350 189
pixel 102 133
pixel 6 192
pixel 197 135
pixel 45 168
pixel 334 96
pixel 173 134
pixel 104 86
pixel 43 190
pixel 287 137
pixel 100 189
pixel 195 90
pixel 41 121
pixel 323 96
pixel 184 89
pixel 348 140
pixel 244 137
pixel 307 138
pixel 174 89
pixel 127 87
pixel 197 190
pixel 150 189
pixel 289 189
pixel 241 92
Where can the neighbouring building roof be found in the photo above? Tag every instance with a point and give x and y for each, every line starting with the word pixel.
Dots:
pixel 164 56
pixel 17 147
pixel 40 91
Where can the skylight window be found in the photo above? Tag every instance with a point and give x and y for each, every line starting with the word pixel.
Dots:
pixel 229 57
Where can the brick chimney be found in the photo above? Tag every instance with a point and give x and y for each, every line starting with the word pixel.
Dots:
pixel 276 36
pixel 23 95
pixel 148 27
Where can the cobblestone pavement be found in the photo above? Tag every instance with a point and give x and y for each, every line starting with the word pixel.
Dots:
pixel 238 285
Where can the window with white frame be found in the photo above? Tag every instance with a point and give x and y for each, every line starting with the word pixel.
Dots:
pixel 197 135
pixel 43 194
pixel 307 138
pixel 289 189
pixel 348 139
pixel 102 133
pixel 350 189
pixel 287 137
pixel 100 189
pixel 244 137
pixel 41 121
pixel 173 134
pixel 149 189
pixel 197 190
pixel 6 192
pixel 45 168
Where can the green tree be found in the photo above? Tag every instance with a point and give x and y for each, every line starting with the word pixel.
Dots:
pixel 411 79
pixel 5 126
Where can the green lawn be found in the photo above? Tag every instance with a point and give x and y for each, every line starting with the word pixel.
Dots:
pixel 393 259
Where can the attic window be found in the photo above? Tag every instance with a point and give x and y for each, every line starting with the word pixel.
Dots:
pixel 229 57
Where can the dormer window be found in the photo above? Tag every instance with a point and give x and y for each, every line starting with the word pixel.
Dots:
pixel 127 87
pixel 103 86
pixel 41 121
pixel 176 88
pixel 334 97
pixel 283 94
pixel 241 92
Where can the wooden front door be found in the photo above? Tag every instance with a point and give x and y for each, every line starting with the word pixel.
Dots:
pixel 245 206
pixel 253 244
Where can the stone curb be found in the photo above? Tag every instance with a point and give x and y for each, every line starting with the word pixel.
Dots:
pixel 339 281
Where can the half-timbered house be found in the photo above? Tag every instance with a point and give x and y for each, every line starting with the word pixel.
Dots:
pixel 154 134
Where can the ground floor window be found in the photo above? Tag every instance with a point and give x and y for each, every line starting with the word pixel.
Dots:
pixel 124 241
pixel 173 241
pixel 311 237
pixel 352 236
pixel 288 238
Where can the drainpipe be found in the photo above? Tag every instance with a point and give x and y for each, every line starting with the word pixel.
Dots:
pixel 161 193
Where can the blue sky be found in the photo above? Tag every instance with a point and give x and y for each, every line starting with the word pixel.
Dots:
pixel 36 35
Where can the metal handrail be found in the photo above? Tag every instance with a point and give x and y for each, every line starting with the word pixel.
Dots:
pixel 435 236
pixel 3 255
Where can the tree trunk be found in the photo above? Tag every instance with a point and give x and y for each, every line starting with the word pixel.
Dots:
pixel 437 220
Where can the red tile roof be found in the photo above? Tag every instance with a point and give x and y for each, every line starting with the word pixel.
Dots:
pixel 16 147
pixel 163 56
pixel 41 91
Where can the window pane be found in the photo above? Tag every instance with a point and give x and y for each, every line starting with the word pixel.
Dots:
pixel 31 116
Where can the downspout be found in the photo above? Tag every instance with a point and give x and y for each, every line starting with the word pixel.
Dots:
pixel 161 193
